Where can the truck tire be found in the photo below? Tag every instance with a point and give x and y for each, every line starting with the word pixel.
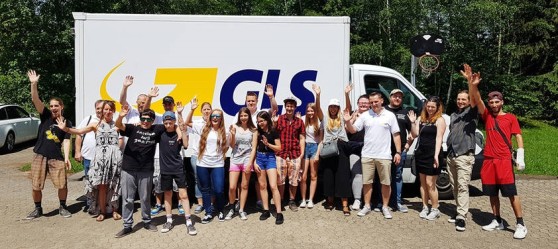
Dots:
pixel 9 143
pixel 443 184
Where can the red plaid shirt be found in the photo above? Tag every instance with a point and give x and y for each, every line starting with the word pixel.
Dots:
pixel 289 133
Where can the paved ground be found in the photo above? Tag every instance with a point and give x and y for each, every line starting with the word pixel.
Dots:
pixel 307 228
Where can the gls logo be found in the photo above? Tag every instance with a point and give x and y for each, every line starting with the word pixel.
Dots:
pixel 200 82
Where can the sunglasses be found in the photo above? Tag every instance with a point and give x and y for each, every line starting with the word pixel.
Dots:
pixel 142 119
pixel 215 116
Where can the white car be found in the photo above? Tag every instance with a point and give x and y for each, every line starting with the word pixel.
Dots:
pixel 16 126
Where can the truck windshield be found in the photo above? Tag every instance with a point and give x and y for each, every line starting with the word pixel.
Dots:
pixel 384 85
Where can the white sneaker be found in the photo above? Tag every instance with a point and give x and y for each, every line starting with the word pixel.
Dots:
pixel 302 204
pixel 355 206
pixel 310 204
pixel 520 232
pixel 386 213
pixel 424 212
pixel 434 214
pixel 494 225
pixel 230 214
pixel 243 215
pixel 364 211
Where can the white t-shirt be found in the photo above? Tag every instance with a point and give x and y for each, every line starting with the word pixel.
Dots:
pixel 378 129
pixel 194 138
pixel 212 157
pixel 310 138
pixel 89 143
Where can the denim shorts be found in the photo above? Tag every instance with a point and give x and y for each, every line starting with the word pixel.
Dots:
pixel 266 160
pixel 310 150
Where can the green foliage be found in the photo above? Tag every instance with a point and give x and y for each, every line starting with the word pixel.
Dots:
pixel 538 139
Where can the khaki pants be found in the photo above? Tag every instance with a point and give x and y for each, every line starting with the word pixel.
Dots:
pixel 460 169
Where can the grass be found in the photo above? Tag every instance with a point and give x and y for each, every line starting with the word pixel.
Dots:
pixel 76 166
pixel 538 140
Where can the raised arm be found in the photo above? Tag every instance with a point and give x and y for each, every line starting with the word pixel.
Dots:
pixel 193 106
pixel 271 96
pixel 62 125
pixel 153 92
pixel 123 112
pixel 414 125
pixel 476 99
pixel 348 124
pixel 319 111
pixel 232 131
pixel 128 81
pixel 34 79
pixel 348 90
pixel 440 129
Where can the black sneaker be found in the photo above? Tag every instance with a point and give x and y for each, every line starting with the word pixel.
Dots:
pixel 123 232
pixel 460 225
pixel 64 212
pixel 221 216
pixel 206 219
pixel 167 227
pixel 452 219
pixel 150 227
pixel 279 219
pixel 292 206
pixel 265 215
pixel 36 213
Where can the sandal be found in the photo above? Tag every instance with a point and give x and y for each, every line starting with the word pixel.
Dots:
pixel 329 206
pixel 346 211
pixel 116 216
pixel 100 218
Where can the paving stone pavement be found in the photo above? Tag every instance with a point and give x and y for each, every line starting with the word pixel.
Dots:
pixel 307 228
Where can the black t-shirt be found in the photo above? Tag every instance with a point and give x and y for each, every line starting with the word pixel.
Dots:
pixel 50 137
pixel 271 136
pixel 140 149
pixel 170 159
pixel 404 125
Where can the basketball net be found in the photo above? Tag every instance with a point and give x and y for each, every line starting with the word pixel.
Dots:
pixel 428 63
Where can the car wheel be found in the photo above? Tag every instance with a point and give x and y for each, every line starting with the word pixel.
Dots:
pixel 445 190
pixel 9 143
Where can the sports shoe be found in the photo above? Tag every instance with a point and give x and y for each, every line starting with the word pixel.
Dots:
pixel 452 219
pixel 243 215
pixel 207 218
pixel 265 215
pixel 150 227
pixel 279 219
pixel 156 209
pixel 378 208
pixel 424 212
pixel 494 225
pixel 180 209
pixel 236 206
pixel 356 205
pixel 166 227
pixel 191 229
pixel 230 214
pixel 434 214
pixel 36 213
pixel 402 208
pixel 520 231
pixel 364 211
pixel 221 216
pixel 310 204
pixel 302 204
pixel 292 206
pixel 64 212
pixel 198 209
pixel 386 213
pixel 123 232
pixel 460 225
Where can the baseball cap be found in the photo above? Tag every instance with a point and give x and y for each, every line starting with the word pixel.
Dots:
pixel 168 100
pixel 394 91
pixel 168 115
pixel 290 99
pixel 334 102
pixel 495 94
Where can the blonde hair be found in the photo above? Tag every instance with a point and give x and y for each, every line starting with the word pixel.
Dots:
pixel 333 123
pixel 314 122
pixel 221 134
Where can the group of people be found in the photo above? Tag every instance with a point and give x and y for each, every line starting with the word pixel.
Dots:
pixel 350 147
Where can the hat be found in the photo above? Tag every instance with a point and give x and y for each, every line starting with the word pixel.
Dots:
pixel 334 102
pixel 394 91
pixel 168 100
pixel 290 99
pixel 168 115
pixel 495 94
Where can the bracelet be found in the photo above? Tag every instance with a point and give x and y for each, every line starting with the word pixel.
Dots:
pixel 398 153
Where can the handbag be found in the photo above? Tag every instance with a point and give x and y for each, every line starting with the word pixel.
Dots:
pixel 413 161
pixel 329 149
pixel 513 152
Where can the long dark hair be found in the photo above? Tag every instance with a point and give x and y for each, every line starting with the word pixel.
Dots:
pixel 249 123
pixel 267 117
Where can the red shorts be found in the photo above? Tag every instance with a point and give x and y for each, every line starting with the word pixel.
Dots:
pixel 497 175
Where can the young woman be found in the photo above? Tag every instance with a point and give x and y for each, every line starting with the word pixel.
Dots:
pixel 243 135
pixel 429 128
pixel 210 164
pixel 337 173
pixel 311 154
pixel 267 144
pixel 104 174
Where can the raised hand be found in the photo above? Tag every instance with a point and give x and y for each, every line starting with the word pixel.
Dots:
pixel 61 123
pixel 194 103
pixel 179 107
pixel 412 116
pixel 347 115
pixel 124 110
pixel 33 76
pixel 269 90
pixel 316 89
pixel 128 81
pixel 348 88
pixel 476 79
pixel 467 72
pixel 154 92
pixel 264 140
pixel 232 130
pixel 298 115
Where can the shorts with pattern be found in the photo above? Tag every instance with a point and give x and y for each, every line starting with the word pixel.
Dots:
pixel 289 168
pixel 42 165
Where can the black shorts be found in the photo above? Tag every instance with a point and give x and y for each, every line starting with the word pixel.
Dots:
pixel 166 181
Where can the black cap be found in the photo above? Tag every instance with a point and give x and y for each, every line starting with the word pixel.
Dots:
pixel 168 100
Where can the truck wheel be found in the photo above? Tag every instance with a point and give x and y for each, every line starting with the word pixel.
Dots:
pixel 445 190
pixel 9 143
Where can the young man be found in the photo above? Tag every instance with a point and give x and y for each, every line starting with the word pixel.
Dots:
pixel 461 152
pixel 172 170
pixel 379 125
pixel 497 170
pixel 137 167
pixel 48 157
pixel 292 134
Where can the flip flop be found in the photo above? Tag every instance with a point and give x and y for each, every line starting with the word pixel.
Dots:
pixel 100 218
pixel 116 216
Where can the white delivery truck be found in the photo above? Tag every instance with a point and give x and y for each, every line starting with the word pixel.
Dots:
pixel 220 58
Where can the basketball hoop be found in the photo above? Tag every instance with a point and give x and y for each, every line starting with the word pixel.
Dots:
pixel 428 63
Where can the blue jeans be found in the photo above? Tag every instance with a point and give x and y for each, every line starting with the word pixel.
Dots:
pixel 212 179
pixel 397 180
pixel 193 162
pixel 86 164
